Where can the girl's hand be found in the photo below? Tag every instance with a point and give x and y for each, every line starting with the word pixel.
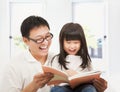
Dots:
pixel 100 84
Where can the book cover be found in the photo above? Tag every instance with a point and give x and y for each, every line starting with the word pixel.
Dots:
pixel 74 80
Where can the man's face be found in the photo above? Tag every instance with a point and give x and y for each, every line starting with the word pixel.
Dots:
pixel 41 48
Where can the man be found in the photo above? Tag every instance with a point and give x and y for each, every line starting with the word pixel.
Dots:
pixel 24 73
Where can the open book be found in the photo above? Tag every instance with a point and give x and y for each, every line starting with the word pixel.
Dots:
pixel 74 80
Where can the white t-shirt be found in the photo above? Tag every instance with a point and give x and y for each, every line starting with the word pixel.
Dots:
pixel 74 63
pixel 20 72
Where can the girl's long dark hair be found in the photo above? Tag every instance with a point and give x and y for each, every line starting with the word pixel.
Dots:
pixel 73 31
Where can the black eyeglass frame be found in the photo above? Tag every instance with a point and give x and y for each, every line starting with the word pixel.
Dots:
pixel 42 39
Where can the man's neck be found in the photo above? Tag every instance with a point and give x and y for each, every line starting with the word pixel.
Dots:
pixel 41 59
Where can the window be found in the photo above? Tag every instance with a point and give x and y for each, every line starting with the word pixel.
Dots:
pixel 18 12
pixel 91 14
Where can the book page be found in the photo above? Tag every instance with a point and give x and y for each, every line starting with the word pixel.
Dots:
pixel 83 78
pixel 59 76
pixel 71 72
pixel 85 74
pixel 75 80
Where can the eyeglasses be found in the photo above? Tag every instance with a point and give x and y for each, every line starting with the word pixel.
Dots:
pixel 40 40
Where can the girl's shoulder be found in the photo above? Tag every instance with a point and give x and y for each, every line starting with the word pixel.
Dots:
pixel 51 55
pixel 55 62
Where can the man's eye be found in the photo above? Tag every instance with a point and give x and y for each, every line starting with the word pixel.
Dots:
pixel 48 35
pixel 39 39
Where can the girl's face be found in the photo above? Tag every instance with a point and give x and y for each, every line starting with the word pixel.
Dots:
pixel 72 46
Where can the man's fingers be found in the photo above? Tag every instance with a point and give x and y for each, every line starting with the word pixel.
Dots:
pixel 42 78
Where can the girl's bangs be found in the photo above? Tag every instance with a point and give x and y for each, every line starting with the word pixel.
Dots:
pixel 72 36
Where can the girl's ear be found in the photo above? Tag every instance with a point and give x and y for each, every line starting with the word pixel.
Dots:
pixel 26 41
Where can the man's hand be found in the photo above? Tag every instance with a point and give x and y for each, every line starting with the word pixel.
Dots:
pixel 100 84
pixel 39 81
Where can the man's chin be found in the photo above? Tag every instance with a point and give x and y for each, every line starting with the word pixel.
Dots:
pixel 44 54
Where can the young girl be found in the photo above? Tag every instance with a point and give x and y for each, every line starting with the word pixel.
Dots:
pixel 74 56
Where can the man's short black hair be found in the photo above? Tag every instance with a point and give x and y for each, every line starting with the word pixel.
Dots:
pixel 31 22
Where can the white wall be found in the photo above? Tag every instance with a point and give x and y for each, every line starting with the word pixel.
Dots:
pixel 4 33
pixel 114 36
pixel 114 44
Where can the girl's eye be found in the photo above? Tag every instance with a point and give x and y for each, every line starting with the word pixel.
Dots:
pixel 68 42
pixel 76 42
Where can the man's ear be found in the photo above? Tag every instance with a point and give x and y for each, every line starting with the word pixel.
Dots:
pixel 25 40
